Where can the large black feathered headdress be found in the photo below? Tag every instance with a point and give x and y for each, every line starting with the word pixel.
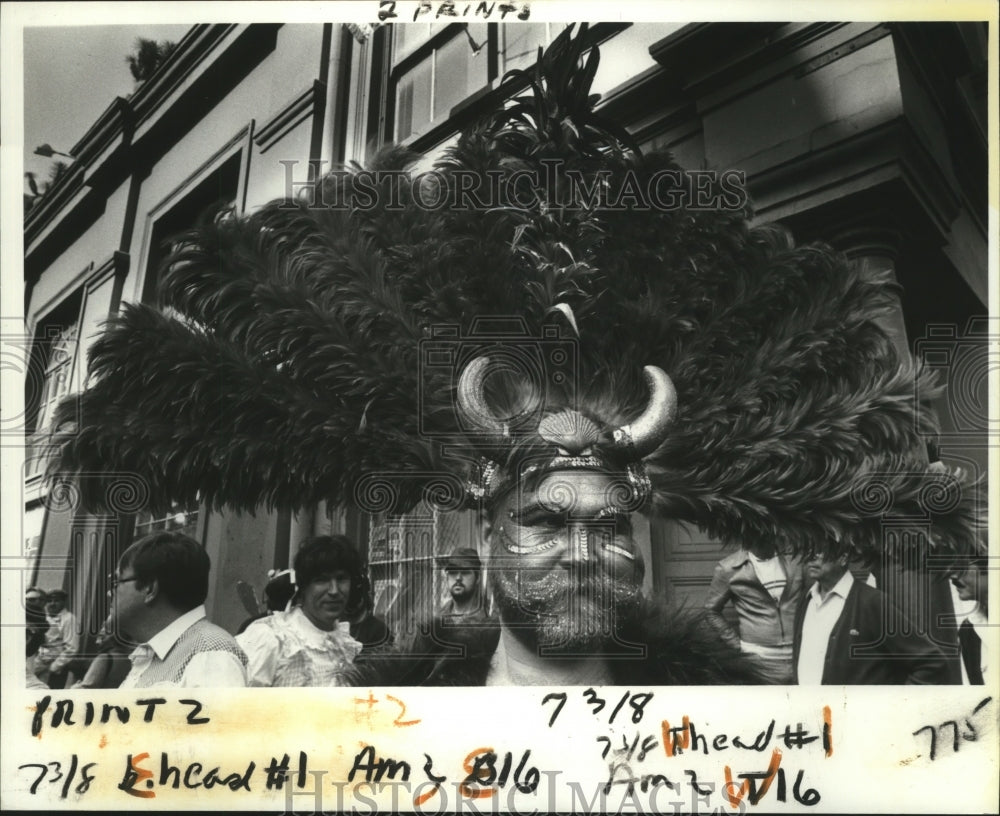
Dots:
pixel 316 348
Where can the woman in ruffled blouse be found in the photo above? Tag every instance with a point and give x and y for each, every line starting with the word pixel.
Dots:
pixel 310 644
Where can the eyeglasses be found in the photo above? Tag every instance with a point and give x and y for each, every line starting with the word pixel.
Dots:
pixel 114 581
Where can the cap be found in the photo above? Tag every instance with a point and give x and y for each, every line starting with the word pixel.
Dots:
pixel 460 558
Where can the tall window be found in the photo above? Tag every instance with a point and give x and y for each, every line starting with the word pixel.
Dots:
pixel 58 372
pixel 435 67
pixel 215 191
pixel 435 71
pixel 51 376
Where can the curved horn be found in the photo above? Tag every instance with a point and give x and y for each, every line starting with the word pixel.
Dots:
pixel 645 434
pixel 472 402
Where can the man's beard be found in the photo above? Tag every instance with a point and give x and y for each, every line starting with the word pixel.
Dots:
pixel 573 612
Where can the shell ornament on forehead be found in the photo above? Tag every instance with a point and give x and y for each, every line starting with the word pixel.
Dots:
pixel 578 441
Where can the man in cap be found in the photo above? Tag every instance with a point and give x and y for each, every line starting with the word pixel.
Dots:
pixel 462 631
pixel 36 626
pixel 462 569
pixel 61 641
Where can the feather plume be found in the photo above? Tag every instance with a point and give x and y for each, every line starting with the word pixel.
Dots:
pixel 288 365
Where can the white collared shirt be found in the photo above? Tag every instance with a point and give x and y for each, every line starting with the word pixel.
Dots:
pixel 207 668
pixel 821 616
pixel 979 624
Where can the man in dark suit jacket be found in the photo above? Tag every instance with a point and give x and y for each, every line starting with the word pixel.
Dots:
pixel 971 582
pixel 847 633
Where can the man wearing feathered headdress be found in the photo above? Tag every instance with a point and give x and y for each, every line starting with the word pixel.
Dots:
pixel 618 350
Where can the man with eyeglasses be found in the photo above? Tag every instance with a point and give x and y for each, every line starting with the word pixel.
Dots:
pixel 158 595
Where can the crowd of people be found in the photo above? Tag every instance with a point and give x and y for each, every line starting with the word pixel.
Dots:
pixel 770 616
pixel 812 622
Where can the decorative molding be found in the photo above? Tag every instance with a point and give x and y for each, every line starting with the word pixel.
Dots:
pixel 111 135
pixel 72 286
pixel 875 240
pixel 237 140
pixel 845 49
pixel 108 269
pixel 702 57
pixel 182 100
pixel 361 32
pixel 110 125
pixel 244 180
pixel 892 150
pixel 690 581
pixel 53 203
pixel 629 104
pixel 196 46
pixel 294 113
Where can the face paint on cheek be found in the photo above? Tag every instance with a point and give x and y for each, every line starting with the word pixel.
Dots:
pixel 581 539
pixel 565 606
pixel 527 544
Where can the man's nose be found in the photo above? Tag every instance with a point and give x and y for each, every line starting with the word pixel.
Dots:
pixel 584 543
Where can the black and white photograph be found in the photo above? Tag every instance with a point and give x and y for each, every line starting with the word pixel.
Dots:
pixel 499 407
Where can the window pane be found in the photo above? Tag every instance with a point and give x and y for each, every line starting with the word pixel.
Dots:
pixel 406 37
pixel 413 100
pixel 459 72
pixel 181 519
pixel 520 43
pixel 58 374
pixel 31 529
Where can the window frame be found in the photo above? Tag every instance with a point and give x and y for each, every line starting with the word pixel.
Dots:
pixel 386 76
pixel 427 49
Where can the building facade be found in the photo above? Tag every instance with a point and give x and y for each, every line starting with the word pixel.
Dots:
pixel 869 136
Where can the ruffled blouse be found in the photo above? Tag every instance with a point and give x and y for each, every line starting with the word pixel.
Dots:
pixel 287 649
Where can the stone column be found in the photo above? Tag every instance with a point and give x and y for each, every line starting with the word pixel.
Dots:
pixel 875 249
pixel 923 594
